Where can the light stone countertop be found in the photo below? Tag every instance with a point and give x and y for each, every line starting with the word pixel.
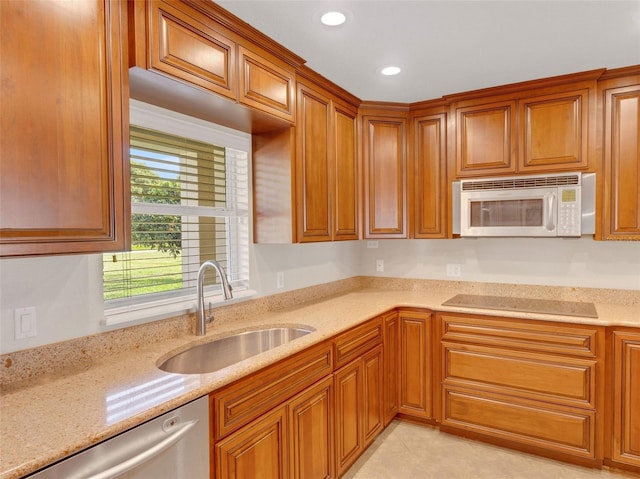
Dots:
pixel 49 417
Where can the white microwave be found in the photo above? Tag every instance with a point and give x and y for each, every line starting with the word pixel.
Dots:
pixel 559 205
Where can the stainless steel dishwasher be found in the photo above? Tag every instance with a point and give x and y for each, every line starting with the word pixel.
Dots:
pixel 172 446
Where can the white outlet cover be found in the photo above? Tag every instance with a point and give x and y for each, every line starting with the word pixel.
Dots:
pixel 25 322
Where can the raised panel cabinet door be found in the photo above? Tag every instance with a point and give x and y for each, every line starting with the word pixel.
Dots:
pixel 554 132
pixel 486 139
pixel 64 116
pixel 415 364
pixel 257 450
pixel 313 161
pixel 430 160
pixel 372 375
pixel 391 344
pixel 266 85
pixel 385 182
pixel 622 163
pixel 311 424
pixel 186 44
pixel 346 225
pixel 626 407
pixel 348 415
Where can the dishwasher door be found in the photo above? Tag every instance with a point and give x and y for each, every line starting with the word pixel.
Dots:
pixel 172 446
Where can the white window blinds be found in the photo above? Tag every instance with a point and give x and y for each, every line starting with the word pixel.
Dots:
pixel 189 204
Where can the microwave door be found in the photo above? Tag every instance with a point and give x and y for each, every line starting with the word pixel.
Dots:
pixel 512 213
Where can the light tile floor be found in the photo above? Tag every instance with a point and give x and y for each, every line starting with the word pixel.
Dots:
pixel 409 451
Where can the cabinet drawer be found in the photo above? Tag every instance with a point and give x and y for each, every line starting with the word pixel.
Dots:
pixel 242 402
pixel 560 429
pixel 536 376
pixel 522 335
pixel 357 341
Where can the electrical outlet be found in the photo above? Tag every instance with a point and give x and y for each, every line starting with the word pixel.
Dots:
pixel 25 322
pixel 280 279
pixel 453 269
pixel 379 265
pixel 372 244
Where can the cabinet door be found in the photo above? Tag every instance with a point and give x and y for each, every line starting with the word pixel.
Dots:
pixel 266 84
pixel 415 364
pixel 185 44
pixel 391 344
pixel 64 115
pixel 429 181
pixel 554 132
pixel 621 212
pixel 346 224
pixel 372 369
pixel 257 450
pixel 486 139
pixel 314 172
pixel 385 182
pixel 348 415
pixel 311 432
pixel 626 407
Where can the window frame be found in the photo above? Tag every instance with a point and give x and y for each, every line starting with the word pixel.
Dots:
pixel 156 118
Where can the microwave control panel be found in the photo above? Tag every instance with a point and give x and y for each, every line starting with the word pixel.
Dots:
pixel 569 211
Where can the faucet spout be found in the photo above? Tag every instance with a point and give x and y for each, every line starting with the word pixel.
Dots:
pixel 201 323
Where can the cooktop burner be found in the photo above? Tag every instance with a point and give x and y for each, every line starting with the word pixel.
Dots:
pixel 527 305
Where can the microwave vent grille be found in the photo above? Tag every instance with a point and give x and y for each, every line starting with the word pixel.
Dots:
pixel 520 182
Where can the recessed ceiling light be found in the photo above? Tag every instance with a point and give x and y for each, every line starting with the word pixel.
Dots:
pixel 390 70
pixel 333 18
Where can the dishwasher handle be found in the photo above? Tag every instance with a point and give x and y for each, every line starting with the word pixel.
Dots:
pixel 144 456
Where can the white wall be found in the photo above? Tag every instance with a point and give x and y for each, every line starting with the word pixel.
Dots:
pixel 545 261
pixel 67 290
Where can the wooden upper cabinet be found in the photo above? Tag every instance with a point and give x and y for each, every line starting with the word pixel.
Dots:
pixel 554 132
pixel 327 173
pixel 266 84
pixel 486 138
pixel 621 157
pixel 180 44
pixel 314 165
pixel 429 188
pixel 64 115
pixel 185 44
pixel 385 175
pixel 346 224
pixel 539 126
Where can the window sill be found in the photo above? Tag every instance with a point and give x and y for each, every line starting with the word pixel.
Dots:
pixel 161 309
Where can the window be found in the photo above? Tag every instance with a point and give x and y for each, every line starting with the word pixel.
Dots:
pixel 189 204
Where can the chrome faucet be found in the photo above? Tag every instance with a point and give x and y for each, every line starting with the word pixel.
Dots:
pixel 201 320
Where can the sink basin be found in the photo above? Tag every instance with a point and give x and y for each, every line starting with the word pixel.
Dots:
pixel 218 354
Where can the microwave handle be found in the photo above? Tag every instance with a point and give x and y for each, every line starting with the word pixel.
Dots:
pixel 549 206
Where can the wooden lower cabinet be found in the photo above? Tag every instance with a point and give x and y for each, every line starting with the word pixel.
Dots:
pixel 626 399
pixel 390 334
pixel 311 435
pixel 293 441
pixel 415 360
pixel 358 407
pixel 257 450
pixel 531 385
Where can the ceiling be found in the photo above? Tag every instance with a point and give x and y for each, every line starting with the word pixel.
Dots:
pixel 446 47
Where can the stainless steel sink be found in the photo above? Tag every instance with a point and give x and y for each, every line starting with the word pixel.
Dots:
pixel 218 354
